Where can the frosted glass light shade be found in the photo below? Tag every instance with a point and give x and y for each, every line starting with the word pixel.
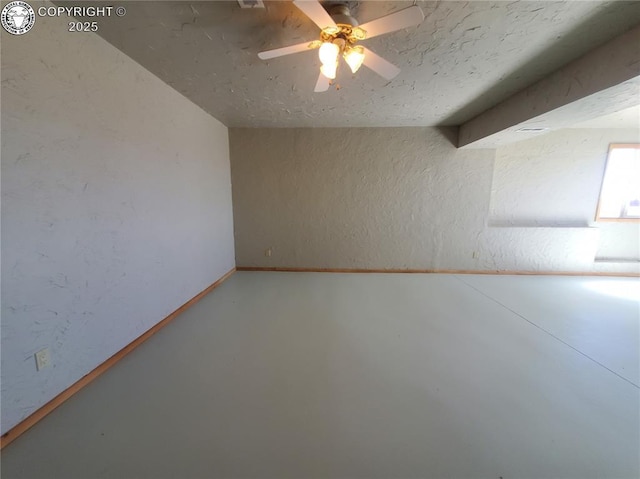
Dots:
pixel 354 58
pixel 328 53
pixel 329 70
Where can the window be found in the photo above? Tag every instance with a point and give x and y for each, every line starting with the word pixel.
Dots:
pixel 620 192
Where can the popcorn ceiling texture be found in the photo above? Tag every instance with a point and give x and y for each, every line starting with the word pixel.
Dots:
pixel 406 198
pixel 116 207
pixel 464 58
pixel 600 82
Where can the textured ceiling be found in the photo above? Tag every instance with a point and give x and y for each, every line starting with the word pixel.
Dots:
pixel 627 118
pixel 464 58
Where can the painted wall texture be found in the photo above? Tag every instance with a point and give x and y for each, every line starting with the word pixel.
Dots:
pixel 116 207
pixel 554 181
pixel 407 198
pixel 357 198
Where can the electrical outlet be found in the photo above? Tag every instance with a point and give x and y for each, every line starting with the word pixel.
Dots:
pixel 42 359
pixel 475 255
pixel 251 3
pixel 267 252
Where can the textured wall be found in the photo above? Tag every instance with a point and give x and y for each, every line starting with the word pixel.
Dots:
pixel 554 180
pixel 406 198
pixel 357 198
pixel 116 207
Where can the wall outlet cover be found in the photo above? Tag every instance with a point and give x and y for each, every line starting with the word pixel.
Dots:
pixel 251 3
pixel 42 359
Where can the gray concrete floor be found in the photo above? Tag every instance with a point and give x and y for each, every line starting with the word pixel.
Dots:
pixel 318 375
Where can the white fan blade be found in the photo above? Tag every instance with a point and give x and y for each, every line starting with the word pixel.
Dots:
pixel 316 12
pixel 322 84
pixel 379 65
pixel 278 52
pixel 396 21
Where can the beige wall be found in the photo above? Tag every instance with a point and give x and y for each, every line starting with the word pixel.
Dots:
pixel 116 207
pixel 554 180
pixel 407 198
pixel 357 198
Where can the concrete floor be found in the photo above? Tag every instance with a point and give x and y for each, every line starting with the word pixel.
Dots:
pixel 318 375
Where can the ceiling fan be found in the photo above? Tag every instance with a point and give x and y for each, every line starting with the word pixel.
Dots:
pixel 339 35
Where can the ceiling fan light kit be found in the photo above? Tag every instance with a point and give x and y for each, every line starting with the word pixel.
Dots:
pixel 340 40
pixel 339 33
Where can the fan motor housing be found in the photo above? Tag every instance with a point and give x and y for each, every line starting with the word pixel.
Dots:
pixel 341 13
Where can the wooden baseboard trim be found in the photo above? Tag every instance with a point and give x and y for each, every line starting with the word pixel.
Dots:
pixel 435 271
pixel 15 432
